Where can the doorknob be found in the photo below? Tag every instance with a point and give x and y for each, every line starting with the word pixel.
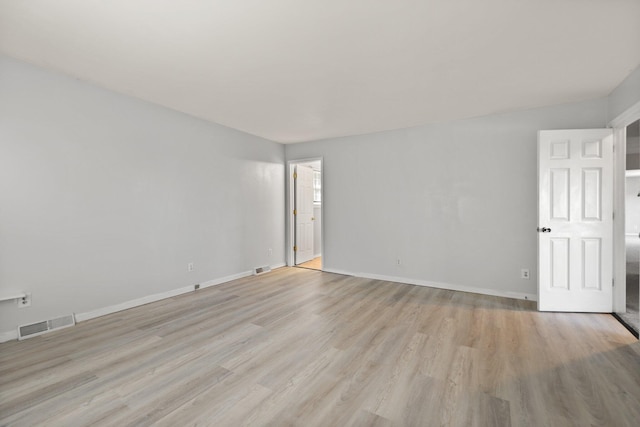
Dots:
pixel 544 230
pixel 313 219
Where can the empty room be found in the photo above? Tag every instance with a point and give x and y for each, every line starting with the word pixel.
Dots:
pixel 319 213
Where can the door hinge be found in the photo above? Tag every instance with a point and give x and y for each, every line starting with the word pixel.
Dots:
pixel 295 249
pixel 295 175
pixel 295 212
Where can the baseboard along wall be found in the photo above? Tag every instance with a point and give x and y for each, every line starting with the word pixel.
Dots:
pixel 103 311
pixel 81 317
pixel 439 285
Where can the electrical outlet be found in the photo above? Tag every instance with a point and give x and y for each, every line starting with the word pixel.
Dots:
pixel 270 252
pixel 190 267
pixel 25 301
pixel 524 274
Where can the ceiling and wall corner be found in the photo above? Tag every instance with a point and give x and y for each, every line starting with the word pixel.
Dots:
pixel 293 71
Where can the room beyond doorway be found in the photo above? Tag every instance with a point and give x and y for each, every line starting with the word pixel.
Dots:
pixel 631 317
pixel 314 264
pixel 304 214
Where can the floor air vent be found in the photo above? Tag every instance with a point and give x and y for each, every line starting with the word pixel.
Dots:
pixel 35 329
pixel 261 270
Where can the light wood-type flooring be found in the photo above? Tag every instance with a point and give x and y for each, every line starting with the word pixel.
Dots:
pixel 307 348
pixel 314 264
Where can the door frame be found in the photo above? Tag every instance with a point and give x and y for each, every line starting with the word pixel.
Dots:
pixel 289 217
pixel 619 126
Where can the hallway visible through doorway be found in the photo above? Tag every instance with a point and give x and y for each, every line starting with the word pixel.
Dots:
pixel 631 316
pixel 314 264
pixel 304 215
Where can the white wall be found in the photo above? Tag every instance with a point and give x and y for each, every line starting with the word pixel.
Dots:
pixel 105 198
pixel 455 202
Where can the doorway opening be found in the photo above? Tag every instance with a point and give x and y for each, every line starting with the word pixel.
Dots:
pixel 631 316
pixel 626 298
pixel 304 214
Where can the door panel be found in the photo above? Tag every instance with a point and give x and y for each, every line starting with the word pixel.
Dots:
pixel 575 219
pixel 560 263
pixel 560 194
pixel 591 194
pixel 591 261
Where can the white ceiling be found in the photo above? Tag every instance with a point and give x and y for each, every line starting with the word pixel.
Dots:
pixel 298 70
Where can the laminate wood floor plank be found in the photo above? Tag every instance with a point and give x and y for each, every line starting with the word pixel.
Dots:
pixel 305 348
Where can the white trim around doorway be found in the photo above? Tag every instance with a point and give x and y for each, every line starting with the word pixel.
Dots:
pixel 290 221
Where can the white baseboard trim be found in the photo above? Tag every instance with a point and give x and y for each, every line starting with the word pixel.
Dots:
pixel 225 279
pixel 8 336
pixel 334 271
pixel 317 255
pixel 451 287
pixel 439 285
pixel 81 317
pixel 279 265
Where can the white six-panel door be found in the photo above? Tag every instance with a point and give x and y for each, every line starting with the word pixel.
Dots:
pixel 304 214
pixel 575 220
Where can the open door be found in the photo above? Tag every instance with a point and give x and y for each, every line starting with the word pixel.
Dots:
pixel 303 213
pixel 575 220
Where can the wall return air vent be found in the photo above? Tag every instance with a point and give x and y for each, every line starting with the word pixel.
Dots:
pixel 261 270
pixel 39 328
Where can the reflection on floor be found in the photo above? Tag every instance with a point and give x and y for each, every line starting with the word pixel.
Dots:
pixel 314 264
pixel 632 317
